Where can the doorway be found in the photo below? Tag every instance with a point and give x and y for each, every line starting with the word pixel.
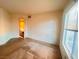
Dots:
pixel 21 27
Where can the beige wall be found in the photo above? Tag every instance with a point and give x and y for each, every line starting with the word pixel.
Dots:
pixel 44 27
pixel 5 24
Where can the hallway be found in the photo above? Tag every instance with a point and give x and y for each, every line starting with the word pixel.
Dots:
pixel 29 49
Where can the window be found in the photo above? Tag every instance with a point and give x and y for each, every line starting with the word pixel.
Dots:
pixel 71 32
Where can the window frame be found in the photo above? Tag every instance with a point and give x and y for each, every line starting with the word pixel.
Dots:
pixel 65 13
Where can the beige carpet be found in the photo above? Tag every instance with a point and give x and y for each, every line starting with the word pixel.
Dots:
pixel 28 49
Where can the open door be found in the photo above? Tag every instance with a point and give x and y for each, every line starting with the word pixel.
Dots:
pixel 21 27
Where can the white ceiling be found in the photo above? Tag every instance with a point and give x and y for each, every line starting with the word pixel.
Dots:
pixel 32 6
